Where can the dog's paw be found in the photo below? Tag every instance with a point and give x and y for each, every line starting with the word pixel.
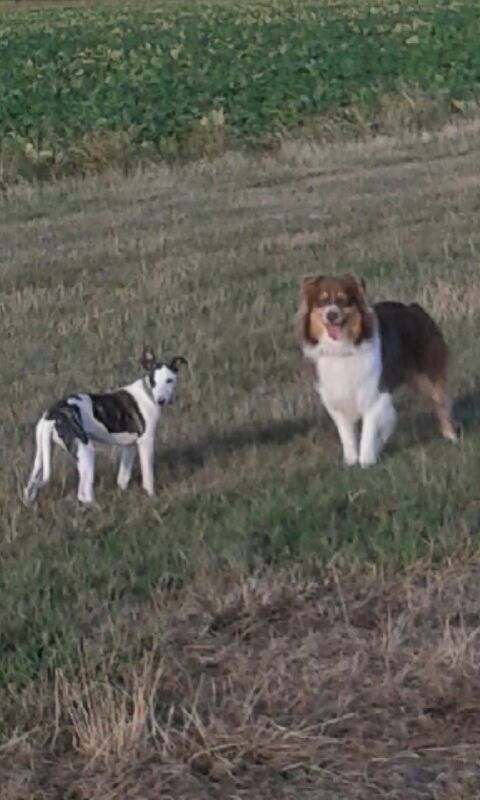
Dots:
pixel 451 436
pixel 28 496
pixel 86 500
pixel 368 462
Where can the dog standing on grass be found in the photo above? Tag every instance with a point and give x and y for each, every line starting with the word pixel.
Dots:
pixel 126 417
pixel 361 354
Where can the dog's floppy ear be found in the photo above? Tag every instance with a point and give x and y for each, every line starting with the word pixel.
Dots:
pixel 148 359
pixel 175 363
pixel 307 282
pixel 360 287
pixel 302 325
pixel 361 283
pixel 364 325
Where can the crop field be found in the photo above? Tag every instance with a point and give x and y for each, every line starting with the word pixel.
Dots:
pixel 84 87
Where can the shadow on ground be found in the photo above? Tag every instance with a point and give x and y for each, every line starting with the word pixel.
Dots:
pixel 191 457
pixel 422 430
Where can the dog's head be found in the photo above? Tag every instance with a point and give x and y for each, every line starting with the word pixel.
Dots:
pixel 161 376
pixel 334 310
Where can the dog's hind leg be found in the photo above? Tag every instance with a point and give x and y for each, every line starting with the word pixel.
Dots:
pixel 443 410
pixel 437 393
pixel 42 465
pixel 85 457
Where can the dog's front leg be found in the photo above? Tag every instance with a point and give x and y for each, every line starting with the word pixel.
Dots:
pixel 378 426
pixel 348 437
pixel 127 457
pixel 145 451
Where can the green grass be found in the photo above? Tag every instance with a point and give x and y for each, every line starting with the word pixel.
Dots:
pixel 206 262
pixel 87 86
pixel 222 630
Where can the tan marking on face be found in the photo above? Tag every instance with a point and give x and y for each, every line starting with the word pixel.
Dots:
pixel 316 326
pixel 347 294
pixel 354 324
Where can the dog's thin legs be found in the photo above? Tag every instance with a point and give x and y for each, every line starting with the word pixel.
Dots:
pixel 127 457
pixel 348 437
pixel 145 451
pixel 35 480
pixel 42 465
pixel 86 472
pixel 378 426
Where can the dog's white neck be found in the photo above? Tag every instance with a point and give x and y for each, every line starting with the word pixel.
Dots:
pixel 148 388
pixel 327 348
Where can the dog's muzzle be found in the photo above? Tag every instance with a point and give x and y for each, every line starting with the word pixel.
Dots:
pixel 334 319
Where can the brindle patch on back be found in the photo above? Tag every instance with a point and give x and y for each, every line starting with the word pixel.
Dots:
pixel 68 425
pixel 118 412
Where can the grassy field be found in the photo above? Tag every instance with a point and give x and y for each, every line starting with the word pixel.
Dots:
pixel 86 87
pixel 270 622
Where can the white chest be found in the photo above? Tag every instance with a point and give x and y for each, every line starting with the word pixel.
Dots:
pixel 348 384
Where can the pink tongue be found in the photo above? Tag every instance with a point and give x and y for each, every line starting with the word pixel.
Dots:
pixel 334 331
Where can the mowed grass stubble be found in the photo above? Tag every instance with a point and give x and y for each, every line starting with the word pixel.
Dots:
pixel 206 262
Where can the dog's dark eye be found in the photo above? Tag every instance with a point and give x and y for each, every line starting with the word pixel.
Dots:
pixel 169 380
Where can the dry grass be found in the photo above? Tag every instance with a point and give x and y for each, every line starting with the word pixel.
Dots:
pixel 244 633
pixel 357 688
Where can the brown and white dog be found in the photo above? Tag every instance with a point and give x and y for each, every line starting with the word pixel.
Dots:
pixel 362 354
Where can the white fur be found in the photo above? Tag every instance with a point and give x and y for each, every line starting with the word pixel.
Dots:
pixel 45 433
pixel 348 379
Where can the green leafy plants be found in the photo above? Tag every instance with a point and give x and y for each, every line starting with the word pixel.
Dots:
pixel 160 79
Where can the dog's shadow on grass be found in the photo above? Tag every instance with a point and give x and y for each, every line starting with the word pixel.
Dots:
pixel 185 460
pixel 182 462
pixel 466 409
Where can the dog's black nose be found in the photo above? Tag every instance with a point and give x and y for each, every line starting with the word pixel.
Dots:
pixel 332 315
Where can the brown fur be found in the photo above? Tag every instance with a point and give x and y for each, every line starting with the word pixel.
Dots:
pixel 349 293
pixel 414 351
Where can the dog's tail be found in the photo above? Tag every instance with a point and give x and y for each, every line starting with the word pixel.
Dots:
pixel 42 465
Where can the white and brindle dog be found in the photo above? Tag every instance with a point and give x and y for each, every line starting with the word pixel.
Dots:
pixel 126 418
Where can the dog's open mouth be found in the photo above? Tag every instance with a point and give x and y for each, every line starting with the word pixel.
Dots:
pixel 334 330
